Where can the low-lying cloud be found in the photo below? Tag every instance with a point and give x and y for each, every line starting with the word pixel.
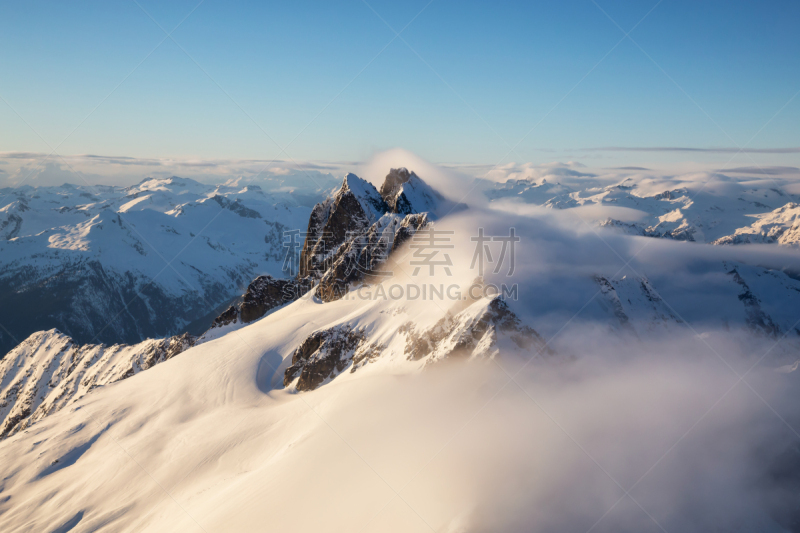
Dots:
pixel 603 436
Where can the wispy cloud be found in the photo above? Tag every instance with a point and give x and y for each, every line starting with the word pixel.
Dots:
pixel 772 171
pixel 34 168
pixel 719 150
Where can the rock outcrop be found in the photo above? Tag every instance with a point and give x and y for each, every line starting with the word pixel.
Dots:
pixel 263 294
pixel 477 328
pixel 353 208
pixel 684 232
pixel 758 321
pixel 326 353
pixel 634 304
pixel 360 258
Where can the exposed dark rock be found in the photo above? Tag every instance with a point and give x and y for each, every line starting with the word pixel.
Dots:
pixel 350 237
pixel 612 299
pixel 326 353
pixel 404 192
pixel 64 371
pixel 683 233
pixel 167 349
pixel 228 316
pixel 9 228
pixel 352 210
pixel 266 292
pixel 392 191
pixel 263 294
pixel 410 225
pixel 361 257
pixel 354 231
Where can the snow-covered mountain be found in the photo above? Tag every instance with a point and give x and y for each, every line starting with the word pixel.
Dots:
pixel 760 300
pixel 113 264
pixel 315 401
pixel 350 235
pixel 354 231
pixel 780 226
pixel 305 345
pixel 701 207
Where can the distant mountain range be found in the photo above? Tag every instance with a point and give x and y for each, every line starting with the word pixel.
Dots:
pixel 731 212
pixel 114 264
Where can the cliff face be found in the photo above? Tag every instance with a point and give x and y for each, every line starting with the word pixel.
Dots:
pixel 360 257
pixel 355 231
pixel 352 209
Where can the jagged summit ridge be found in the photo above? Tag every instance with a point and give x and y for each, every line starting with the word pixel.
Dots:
pixel 354 207
pixel 405 193
pixel 354 225
pixel 358 224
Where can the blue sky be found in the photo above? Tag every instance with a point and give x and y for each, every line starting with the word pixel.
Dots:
pixel 465 82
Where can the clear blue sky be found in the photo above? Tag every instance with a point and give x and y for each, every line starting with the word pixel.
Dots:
pixel 493 72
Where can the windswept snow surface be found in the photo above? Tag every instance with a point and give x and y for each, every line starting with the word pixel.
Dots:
pixel 641 392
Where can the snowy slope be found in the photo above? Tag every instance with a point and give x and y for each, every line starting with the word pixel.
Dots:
pixel 719 293
pixel 355 207
pixel 219 378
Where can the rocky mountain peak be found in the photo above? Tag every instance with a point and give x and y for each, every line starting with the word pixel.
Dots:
pixel 370 201
pixel 480 330
pixel 352 209
pixel 404 193
pixel 394 181
pixel 357 226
